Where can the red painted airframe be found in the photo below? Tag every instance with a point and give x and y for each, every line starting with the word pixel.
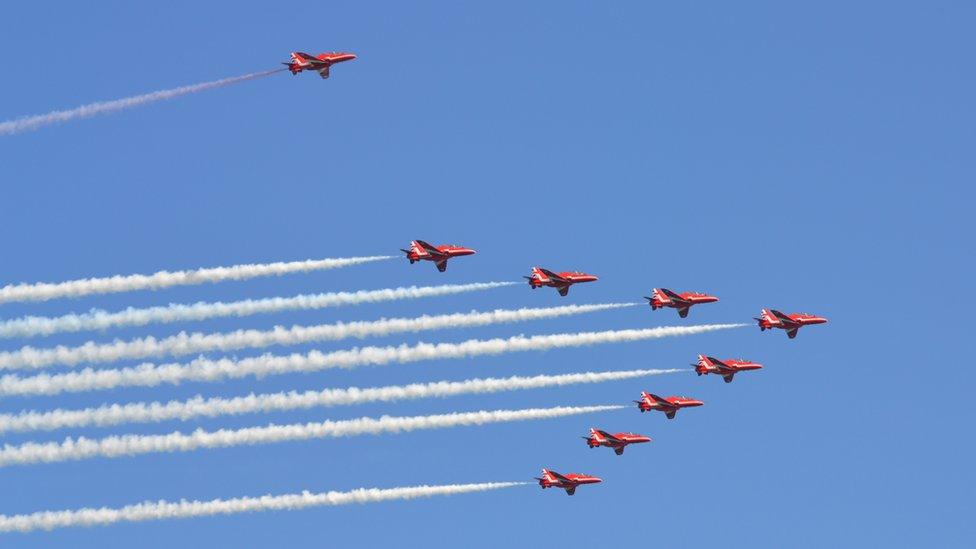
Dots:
pixel 560 281
pixel 319 63
pixel 725 368
pixel 617 441
pixel 669 405
pixel 568 482
pixel 422 251
pixel 663 297
pixel 771 318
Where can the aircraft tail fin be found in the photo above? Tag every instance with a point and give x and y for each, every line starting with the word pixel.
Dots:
pixel 661 295
pixel 417 247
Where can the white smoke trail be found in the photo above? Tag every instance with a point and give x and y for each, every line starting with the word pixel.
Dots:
pixel 43 291
pixel 165 510
pixel 202 369
pixel 30 123
pixel 131 445
pixel 184 343
pixel 147 412
pixel 96 319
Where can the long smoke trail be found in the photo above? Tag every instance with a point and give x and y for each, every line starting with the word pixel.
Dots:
pixel 43 291
pixel 202 369
pixel 149 412
pixel 131 445
pixel 184 343
pixel 165 510
pixel 35 122
pixel 96 319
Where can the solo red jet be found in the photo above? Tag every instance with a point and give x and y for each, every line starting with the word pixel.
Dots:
pixel 560 281
pixel 669 405
pixel 771 318
pixel 663 297
pixel 617 441
pixel 319 63
pixel 420 250
pixel 725 368
pixel 568 482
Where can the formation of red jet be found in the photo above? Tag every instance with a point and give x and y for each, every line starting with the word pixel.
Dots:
pixel 660 298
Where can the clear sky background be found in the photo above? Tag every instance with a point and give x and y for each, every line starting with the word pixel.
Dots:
pixel 815 158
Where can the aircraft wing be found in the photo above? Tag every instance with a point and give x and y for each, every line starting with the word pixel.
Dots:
pixel 429 249
pixel 661 401
pixel 723 367
pixel 782 318
pixel 673 296
pixel 610 438
pixel 560 478
pixel 553 276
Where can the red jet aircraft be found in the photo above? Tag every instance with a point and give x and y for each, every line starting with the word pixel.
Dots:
pixel 771 318
pixel 560 281
pixel 725 368
pixel 617 441
pixel 420 250
pixel 319 63
pixel 663 297
pixel 669 405
pixel 568 482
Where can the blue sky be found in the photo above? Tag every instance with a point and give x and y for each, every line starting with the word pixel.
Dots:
pixel 814 158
